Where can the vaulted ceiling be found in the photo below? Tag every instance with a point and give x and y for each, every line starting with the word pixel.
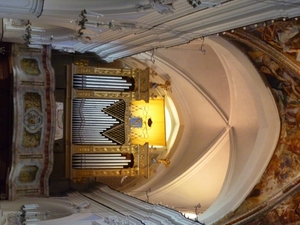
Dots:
pixel 228 122
pixel 229 127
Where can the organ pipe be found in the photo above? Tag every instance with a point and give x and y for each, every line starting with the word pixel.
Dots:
pixel 89 121
pixel 112 83
pixel 102 161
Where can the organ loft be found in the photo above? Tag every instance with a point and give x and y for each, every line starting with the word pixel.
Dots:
pixel 113 122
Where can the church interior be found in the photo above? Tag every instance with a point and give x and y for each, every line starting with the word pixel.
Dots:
pixel 157 105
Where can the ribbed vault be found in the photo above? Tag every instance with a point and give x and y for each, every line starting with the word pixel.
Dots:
pixel 229 128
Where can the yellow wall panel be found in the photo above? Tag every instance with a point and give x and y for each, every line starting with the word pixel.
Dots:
pixel 154 111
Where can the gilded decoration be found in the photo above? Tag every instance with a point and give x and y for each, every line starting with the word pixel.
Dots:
pixel 32 100
pixel 28 174
pixel 30 66
pixel 140 167
pixel 100 149
pixel 141 157
pixel 100 94
pixel 82 62
pixel 103 71
pixel 274 49
pixel 31 140
pixel 109 173
pixel 142 85
pixel 32 120
pixel 166 162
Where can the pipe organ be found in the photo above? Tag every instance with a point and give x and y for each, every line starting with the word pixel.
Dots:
pixel 98 134
pixel 102 161
pixel 103 83
pixel 98 121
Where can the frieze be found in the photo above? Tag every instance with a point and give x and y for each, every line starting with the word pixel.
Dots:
pixel 27 191
pixel 100 149
pixel 99 94
pixel 29 50
pixel 99 173
pixel 32 83
pixel 112 72
pixel 31 156
pixel 83 94
pixel 84 70
pixel 104 71
pixel 115 95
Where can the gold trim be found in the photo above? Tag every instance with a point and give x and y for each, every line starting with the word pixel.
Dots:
pixel 104 71
pixel 102 94
pixel 101 149
pixel 141 161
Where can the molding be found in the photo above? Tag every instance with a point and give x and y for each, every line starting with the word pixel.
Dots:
pixel 37 9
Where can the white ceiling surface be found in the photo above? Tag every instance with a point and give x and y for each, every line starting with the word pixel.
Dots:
pixel 140 30
pixel 229 128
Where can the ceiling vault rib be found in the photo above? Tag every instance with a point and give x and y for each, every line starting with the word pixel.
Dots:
pixel 200 161
pixel 199 88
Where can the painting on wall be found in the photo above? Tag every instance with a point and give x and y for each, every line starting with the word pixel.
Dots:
pixel 288 212
pixel 273 48
pixel 283 36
